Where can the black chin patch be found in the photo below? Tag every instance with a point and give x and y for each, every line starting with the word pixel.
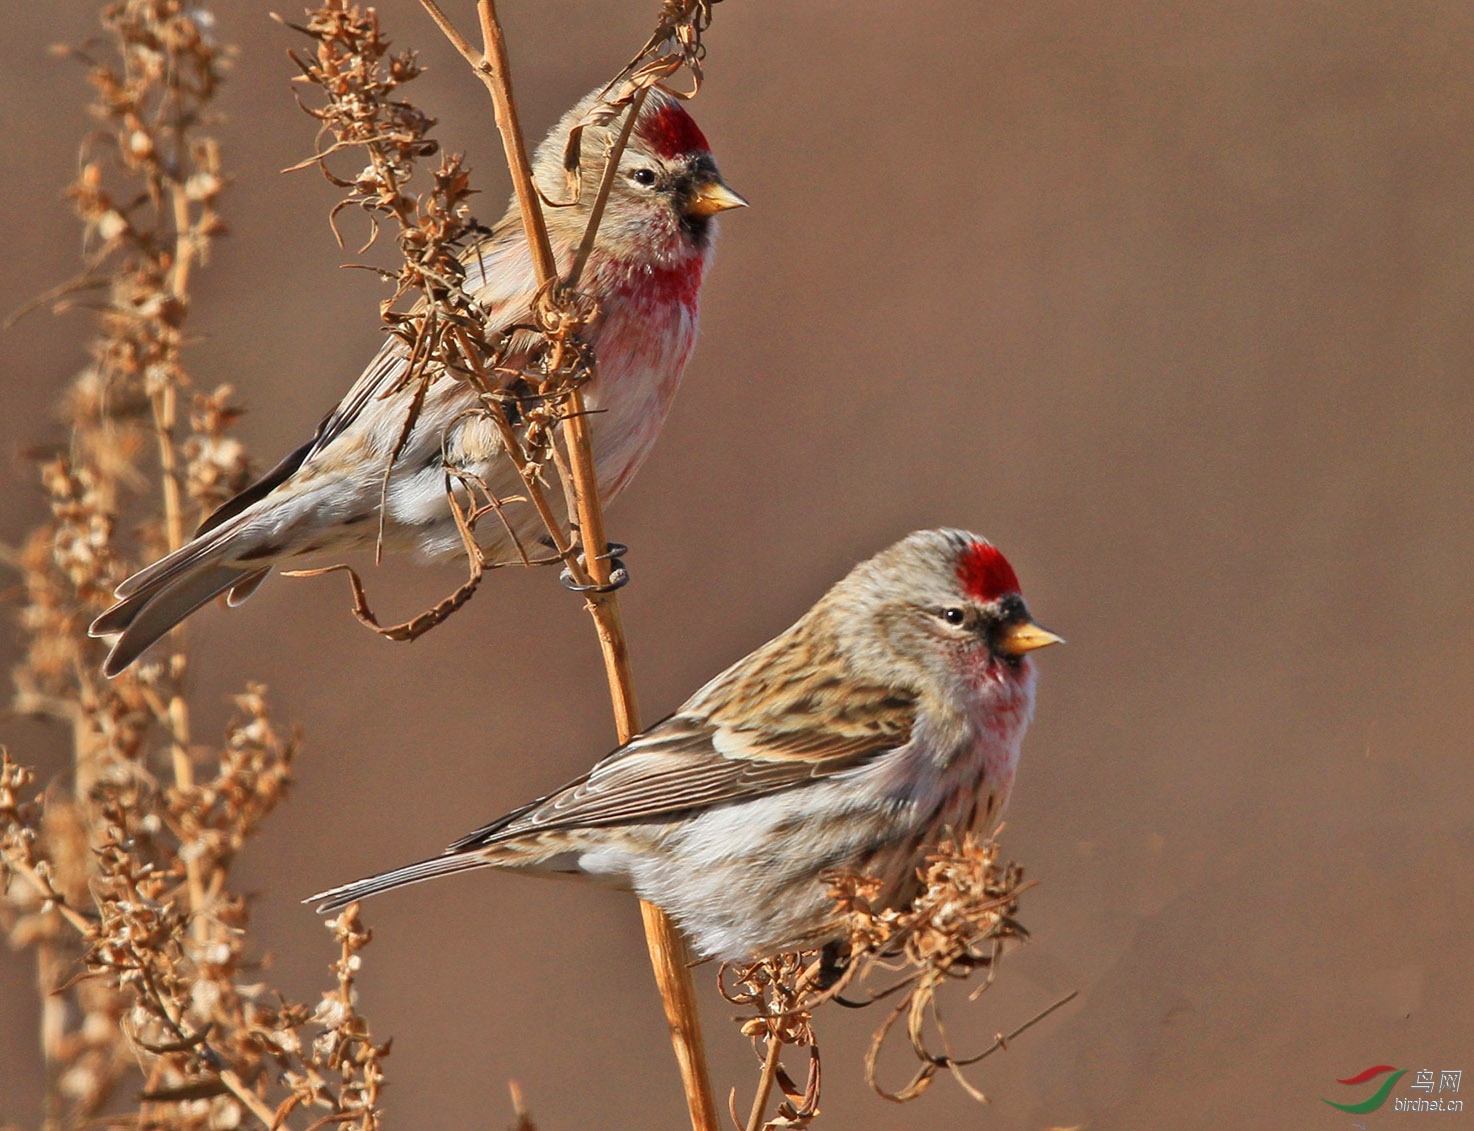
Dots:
pixel 697 228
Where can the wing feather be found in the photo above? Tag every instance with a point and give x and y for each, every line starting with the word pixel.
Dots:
pixel 689 762
pixel 378 378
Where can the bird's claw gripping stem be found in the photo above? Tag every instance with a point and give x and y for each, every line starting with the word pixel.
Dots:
pixel 619 576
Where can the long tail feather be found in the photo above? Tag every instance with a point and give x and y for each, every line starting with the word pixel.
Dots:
pixel 150 613
pixel 448 864
pixel 197 552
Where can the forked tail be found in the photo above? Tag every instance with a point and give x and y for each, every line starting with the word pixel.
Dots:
pixel 157 598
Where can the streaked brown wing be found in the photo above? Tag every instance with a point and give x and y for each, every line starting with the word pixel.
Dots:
pixel 382 372
pixel 387 367
pixel 380 376
pixel 685 763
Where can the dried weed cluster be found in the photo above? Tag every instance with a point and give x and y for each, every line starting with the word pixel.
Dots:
pixel 958 923
pixel 116 873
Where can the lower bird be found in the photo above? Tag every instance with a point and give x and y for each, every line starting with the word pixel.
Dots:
pixel 362 482
pixel 889 715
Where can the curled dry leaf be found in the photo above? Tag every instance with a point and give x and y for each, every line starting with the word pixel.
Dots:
pixel 956 926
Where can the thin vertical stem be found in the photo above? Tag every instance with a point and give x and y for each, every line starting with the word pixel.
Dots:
pixel 491 68
pixel 667 949
pixel 765 1082
pixel 53 1034
pixel 611 170
pixel 166 411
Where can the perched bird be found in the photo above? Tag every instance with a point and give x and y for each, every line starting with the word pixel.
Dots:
pixel 645 272
pixel 891 713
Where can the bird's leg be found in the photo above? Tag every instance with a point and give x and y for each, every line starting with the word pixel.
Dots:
pixel 834 963
pixel 619 576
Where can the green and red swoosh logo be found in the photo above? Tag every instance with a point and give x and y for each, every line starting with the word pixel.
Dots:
pixel 1377 1098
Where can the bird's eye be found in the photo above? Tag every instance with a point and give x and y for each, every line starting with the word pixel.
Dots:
pixel 644 177
pixel 953 616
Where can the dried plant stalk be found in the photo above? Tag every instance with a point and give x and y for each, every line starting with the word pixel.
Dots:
pixel 562 321
pixel 116 876
pixel 958 924
pixel 362 109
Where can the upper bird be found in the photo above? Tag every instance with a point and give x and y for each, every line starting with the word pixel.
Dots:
pixel 645 272
pixel 889 715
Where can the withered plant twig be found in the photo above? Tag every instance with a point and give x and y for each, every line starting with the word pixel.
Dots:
pixel 116 876
pixel 606 183
pixel 782 991
pixel 958 924
pixel 561 319
pixel 765 1084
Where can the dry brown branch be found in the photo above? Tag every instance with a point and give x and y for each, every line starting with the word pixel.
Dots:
pixel 116 876
pixel 442 331
pixel 958 924
pixel 782 990
pixel 523 1119
pixel 561 317
pixel 771 1063
pixel 416 626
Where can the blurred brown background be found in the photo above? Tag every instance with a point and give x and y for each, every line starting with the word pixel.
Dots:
pixel 1172 301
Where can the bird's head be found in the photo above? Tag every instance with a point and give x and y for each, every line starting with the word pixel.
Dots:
pixel 664 197
pixel 942 612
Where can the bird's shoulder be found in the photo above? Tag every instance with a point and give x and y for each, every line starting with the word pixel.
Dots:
pixel 498 274
pixel 798 697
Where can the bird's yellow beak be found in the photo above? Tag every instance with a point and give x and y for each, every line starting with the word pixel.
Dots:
pixel 711 198
pixel 1026 637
